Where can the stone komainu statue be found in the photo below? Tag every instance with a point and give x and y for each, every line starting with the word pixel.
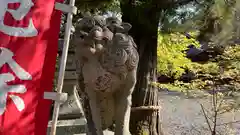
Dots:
pixel 107 61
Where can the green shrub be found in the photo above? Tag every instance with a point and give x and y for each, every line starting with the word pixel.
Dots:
pixel 171 56
pixel 172 61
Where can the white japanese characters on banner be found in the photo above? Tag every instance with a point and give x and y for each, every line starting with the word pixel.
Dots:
pixel 6 58
pixel 18 14
pixel 6 54
pixel 29 31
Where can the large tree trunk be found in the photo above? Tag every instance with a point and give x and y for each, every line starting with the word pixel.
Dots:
pixel 145 33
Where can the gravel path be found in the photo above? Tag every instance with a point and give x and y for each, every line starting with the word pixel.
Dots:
pixel 180 116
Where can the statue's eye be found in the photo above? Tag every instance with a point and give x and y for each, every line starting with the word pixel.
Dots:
pixel 121 38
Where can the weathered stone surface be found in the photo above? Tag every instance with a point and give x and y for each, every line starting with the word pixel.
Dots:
pixel 60 47
pixel 69 75
pixel 71 107
pixel 106 132
pixel 70 65
pixel 69 127
pixel 107 60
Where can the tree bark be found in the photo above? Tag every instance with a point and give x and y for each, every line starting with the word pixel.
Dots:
pixel 144 30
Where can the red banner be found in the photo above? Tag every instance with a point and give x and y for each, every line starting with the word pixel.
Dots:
pixel 28 47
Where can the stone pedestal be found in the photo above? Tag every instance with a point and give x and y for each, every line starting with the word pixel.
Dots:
pixel 69 127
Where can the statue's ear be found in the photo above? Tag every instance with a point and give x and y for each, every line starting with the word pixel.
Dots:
pixel 126 26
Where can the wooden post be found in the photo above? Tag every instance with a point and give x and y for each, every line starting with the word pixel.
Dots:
pixel 62 66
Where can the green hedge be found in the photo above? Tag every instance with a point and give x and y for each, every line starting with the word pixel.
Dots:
pixel 172 62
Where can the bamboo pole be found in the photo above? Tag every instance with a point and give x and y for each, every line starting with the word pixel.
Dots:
pixel 62 68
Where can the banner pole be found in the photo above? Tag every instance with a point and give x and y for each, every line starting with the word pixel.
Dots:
pixel 62 68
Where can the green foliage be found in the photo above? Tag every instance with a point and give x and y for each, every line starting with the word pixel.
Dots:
pixel 96 7
pixel 230 61
pixel 172 62
pixel 88 5
pixel 171 56
pixel 217 22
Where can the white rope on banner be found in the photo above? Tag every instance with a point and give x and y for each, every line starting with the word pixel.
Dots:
pixel 71 9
